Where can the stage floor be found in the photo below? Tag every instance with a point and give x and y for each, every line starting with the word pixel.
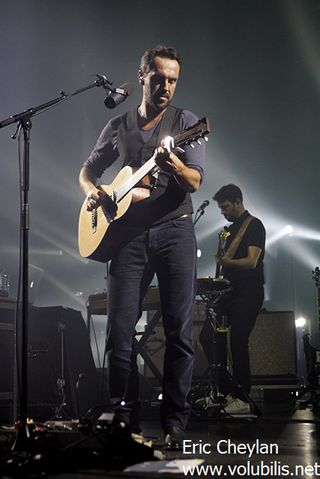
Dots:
pixel 283 442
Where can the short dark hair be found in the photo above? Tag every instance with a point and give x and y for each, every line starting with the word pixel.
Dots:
pixel 228 193
pixel 147 59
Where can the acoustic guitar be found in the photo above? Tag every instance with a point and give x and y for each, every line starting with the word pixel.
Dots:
pixel 129 186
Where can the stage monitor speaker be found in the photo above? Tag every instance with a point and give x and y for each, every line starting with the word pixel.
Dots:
pixel 156 343
pixel 272 346
pixel 8 400
pixel 59 361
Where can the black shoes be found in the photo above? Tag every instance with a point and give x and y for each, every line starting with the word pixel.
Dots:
pixel 173 439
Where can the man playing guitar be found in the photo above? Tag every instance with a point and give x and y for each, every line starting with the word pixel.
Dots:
pixel 242 265
pixel 156 235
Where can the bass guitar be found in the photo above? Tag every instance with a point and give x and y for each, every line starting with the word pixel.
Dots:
pixel 95 237
pixel 223 235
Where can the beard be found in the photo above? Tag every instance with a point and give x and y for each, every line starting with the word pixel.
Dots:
pixel 161 105
pixel 161 101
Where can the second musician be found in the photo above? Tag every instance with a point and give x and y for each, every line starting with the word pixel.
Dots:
pixel 242 265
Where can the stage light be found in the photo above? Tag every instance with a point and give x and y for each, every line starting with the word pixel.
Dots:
pixel 46 252
pixel 307 233
pixel 34 251
pixel 61 245
pixel 210 231
pixel 302 253
pixel 65 289
pixel 199 253
pixel 285 231
pixel 300 322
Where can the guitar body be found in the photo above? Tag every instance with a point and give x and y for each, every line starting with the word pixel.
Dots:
pixel 90 238
pixel 94 238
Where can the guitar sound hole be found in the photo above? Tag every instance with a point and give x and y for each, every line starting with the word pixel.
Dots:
pixel 94 220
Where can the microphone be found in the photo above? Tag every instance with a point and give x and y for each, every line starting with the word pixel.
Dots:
pixel 203 205
pixel 118 95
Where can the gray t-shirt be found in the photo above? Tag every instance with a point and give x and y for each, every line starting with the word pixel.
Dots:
pixel 105 152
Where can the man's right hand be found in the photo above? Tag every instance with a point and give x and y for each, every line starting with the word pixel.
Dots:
pixel 95 198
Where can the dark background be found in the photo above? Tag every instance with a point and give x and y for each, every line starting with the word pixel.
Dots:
pixel 251 66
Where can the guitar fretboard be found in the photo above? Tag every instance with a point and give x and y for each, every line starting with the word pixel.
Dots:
pixel 134 179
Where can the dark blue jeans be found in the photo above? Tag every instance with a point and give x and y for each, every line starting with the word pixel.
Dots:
pixel 242 307
pixel 169 251
pixel 242 311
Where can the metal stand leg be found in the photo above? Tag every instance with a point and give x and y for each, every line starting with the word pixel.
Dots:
pixel 61 380
pixel 212 397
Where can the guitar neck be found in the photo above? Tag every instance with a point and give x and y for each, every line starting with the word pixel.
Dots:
pixel 219 267
pixel 124 189
pixel 223 235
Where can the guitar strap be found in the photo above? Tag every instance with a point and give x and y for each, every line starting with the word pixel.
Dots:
pixel 167 126
pixel 167 122
pixel 237 239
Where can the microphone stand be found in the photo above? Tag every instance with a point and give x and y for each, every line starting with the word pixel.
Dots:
pixel 24 123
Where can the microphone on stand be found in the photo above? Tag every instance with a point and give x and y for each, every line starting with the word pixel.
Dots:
pixel 203 206
pixel 118 95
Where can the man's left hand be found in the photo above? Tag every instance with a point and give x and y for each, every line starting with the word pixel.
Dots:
pixel 168 161
pixel 189 179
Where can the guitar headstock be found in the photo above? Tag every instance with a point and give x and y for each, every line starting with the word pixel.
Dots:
pixel 224 234
pixel 316 276
pixel 193 134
